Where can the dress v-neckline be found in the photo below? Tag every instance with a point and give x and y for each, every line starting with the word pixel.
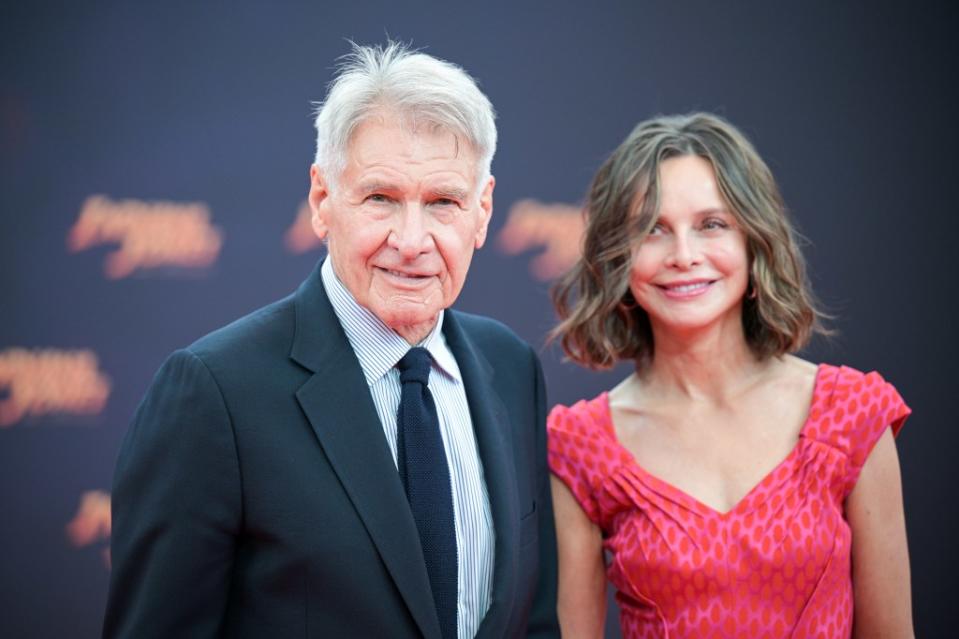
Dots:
pixel 672 492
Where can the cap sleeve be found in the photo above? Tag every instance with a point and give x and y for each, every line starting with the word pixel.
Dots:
pixel 864 406
pixel 573 448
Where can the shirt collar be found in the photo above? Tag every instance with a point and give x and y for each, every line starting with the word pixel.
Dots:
pixel 377 346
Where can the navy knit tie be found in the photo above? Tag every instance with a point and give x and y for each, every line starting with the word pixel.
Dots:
pixel 426 478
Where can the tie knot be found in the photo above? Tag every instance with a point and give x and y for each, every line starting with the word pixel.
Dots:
pixel 415 366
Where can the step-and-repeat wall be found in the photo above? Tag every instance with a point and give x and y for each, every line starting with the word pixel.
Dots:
pixel 154 174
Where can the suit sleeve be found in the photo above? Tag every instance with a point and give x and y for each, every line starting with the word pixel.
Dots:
pixel 543 621
pixel 176 509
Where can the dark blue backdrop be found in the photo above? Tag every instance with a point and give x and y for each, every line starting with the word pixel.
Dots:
pixel 207 109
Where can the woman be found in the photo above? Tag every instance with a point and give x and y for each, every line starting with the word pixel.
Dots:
pixel 739 490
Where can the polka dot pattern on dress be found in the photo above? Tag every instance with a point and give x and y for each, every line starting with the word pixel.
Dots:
pixel 776 565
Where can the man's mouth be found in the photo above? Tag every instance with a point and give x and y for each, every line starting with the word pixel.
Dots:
pixel 411 277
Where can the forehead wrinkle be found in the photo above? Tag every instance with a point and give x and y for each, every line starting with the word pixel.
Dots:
pixel 423 137
pixel 434 128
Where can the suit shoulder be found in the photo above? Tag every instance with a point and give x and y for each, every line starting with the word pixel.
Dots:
pixel 266 329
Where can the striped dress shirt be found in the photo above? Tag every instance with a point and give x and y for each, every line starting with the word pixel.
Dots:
pixel 378 349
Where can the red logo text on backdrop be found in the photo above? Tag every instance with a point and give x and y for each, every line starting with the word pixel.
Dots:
pixel 44 381
pixel 150 234
pixel 300 238
pixel 556 227
pixel 92 523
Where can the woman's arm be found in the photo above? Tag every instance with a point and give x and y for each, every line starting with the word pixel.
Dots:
pixel 582 573
pixel 880 557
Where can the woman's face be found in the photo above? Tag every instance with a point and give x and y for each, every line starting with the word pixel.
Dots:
pixel 692 270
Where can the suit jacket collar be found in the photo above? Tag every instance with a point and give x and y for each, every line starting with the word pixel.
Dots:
pixel 377 346
pixel 337 403
pixel 492 426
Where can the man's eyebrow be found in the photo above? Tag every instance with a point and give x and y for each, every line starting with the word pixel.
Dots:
pixel 449 191
pixel 370 186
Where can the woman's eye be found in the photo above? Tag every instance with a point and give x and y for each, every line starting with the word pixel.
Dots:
pixel 713 224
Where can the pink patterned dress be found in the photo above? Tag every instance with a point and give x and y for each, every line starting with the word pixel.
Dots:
pixel 776 565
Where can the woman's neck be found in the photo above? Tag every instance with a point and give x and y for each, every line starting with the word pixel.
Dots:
pixel 714 365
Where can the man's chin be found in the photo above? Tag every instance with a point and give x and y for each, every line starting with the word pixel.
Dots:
pixel 409 324
pixel 405 318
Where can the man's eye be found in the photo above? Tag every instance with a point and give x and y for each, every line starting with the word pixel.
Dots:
pixel 444 201
pixel 377 197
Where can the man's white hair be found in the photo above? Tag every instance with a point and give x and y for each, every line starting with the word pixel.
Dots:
pixel 414 86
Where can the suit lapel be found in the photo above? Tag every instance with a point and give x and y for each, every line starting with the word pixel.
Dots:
pixel 337 403
pixel 492 427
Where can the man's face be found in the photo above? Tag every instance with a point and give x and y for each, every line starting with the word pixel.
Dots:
pixel 402 220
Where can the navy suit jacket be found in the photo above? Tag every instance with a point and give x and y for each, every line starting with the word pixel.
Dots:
pixel 255 494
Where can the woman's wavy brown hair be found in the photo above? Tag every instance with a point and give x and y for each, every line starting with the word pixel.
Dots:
pixel 600 321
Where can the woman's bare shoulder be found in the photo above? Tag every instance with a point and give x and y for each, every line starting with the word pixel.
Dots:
pixel 796 371
pixel 792 377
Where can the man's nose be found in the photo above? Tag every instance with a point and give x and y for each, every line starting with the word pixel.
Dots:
pixel 411 234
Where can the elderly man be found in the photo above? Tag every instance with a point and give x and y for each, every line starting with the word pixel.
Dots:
pixel 356 460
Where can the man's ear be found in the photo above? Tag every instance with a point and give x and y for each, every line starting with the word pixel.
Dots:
pixel 486 211
pixel 319 202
